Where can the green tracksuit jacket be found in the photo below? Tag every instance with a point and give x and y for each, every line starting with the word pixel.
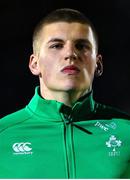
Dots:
pixel 48 139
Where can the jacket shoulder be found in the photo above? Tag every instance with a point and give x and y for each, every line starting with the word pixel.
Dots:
pixel 14 118
pixel 109 112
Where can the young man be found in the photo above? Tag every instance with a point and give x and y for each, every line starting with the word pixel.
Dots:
pixel 63 132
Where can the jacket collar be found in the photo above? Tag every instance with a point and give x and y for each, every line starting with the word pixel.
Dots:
pixel 57 111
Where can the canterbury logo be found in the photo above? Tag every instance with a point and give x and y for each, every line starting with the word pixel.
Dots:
pixel 22 148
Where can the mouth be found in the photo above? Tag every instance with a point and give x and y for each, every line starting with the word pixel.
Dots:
pixel 71 70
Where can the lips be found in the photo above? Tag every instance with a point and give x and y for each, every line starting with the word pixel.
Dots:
pixel 70 70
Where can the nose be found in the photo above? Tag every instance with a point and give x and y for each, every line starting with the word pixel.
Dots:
pixel 70 52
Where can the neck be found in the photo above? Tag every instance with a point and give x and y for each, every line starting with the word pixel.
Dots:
pixel 66 97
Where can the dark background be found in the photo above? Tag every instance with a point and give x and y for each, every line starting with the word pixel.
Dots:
pixel 17 20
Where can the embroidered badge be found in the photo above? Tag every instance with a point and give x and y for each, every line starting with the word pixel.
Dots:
pixel 114 144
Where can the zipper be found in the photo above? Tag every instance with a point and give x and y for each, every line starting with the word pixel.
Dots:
pixel 69 148
pixel 69 126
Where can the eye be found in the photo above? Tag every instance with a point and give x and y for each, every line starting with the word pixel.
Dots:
pixel 56 46
pixel 82 46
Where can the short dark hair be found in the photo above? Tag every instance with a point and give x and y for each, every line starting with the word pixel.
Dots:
pixel 63 15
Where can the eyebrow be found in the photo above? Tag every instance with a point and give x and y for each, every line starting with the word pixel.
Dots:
pixel 86 41
pixel 55 40
pixel 81 40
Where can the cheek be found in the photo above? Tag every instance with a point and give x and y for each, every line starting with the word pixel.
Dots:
pixel 46 66
pixel 90 65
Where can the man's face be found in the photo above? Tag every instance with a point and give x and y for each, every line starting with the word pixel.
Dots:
pixel 67 57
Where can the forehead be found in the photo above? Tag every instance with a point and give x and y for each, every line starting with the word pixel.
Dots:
pixel 66 31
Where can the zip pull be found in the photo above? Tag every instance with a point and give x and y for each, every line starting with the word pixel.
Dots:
pixel 82 129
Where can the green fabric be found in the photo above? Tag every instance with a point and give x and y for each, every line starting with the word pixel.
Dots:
pixel 48 139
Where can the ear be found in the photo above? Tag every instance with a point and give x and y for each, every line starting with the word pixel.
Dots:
pixel 33 65
pixel 99 66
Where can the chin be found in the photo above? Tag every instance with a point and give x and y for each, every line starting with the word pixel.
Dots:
pixel 71 88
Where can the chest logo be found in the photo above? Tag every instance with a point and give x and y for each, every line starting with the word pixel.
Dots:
pixel 105 126
pixel 101 126
pixel 22 148
pixel 114 144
